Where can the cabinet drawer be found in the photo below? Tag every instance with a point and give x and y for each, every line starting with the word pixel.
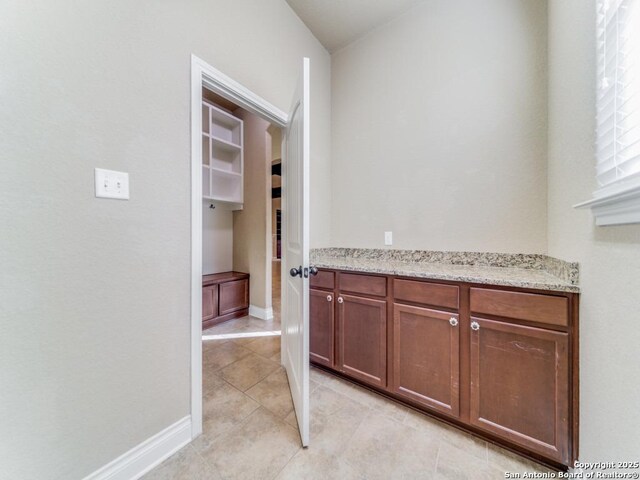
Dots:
pixel 323 279
pixel 364 284
pixel 233 296
pixel 436 294
pixel 522 306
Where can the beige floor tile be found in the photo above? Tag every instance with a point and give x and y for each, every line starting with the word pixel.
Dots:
pixel 259 449
pixel 507 461
pixel 292 420
pixel 223 409
pixel 380 404
pixel 460 463
pixel 312 464
pixel 313 385
pixel 248 371
pixel 265 346
pixel 326 401
pixel 187 464
pixel 334 419
pixel 220 355
pixel 319 375
pixel 232 326
pixel 440 430
pixel 382 448
pixel 460 473
pixel 264 325
pixel 211 381
pixel 276 357
pixel 209 346
pixel 243 341
pixel 273 393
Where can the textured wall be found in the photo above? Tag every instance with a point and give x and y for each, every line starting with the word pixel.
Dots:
pixel 609 256
pixel 94 310
pixel 439 124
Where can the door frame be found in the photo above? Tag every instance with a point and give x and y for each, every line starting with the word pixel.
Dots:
pixel 204 75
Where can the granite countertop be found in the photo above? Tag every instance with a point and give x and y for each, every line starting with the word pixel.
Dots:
pixel 535 271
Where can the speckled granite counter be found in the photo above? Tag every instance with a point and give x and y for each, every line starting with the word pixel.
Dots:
pixel 516 270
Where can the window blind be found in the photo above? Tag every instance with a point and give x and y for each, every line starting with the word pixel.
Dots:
pixel 618 100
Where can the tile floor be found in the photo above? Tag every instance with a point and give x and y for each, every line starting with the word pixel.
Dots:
pixel 250 431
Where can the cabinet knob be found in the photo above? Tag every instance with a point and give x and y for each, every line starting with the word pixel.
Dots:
pixel 475 326
pixel 340 300
pixel 453 321
pixel 329 298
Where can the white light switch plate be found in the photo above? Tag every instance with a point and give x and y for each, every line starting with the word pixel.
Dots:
pixel 112 184
pixel 388 238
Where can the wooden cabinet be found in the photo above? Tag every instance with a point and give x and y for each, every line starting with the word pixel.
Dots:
pixel 520 385
pixel 322 315
pixel 322 327
pixel 500 362
pixel 234 295
pixel 224 296
pixel 426 361
pixel 363 338
pixel 209 302
pixel 348 324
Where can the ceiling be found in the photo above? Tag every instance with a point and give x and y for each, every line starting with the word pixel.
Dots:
pixel 336 23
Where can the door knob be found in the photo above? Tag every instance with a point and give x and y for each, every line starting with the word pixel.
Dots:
pixel 296 272
pixel 340 300
pixel 453 321
pixel 313 271
pixel 329 298
pixel 475 326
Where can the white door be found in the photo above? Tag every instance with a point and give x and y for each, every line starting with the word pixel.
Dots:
pixel 295 252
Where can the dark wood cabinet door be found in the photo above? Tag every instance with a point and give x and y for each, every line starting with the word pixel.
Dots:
pixel 233 296
pixel 426 362
pixel 520 385
pixel 362 338
pixel 321 327
pixel 209 302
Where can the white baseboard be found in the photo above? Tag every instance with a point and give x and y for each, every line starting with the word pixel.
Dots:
pixel 262 313
pixel 147 455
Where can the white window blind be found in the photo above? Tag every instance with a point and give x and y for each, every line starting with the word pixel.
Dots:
pixel 618 100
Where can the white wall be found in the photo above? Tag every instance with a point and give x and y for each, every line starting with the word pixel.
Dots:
pixel 252 224
pixel 217 239
pixel 439 122
pixel 609 256
pixel 94 315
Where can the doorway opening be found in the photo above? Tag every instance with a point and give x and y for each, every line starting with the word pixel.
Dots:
pixel 241 334
pixel 235 138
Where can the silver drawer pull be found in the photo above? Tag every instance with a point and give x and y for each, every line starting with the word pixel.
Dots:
pixel 340 300
pixel 453 321
pixel 329 298
pixel 475 326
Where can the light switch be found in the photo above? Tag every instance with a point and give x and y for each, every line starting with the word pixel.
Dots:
pixel 388 238
pixel 112 184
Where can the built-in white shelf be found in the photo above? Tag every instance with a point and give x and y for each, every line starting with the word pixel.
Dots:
pixel 222 156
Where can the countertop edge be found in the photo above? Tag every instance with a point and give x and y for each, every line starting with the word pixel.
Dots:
pixel 550 287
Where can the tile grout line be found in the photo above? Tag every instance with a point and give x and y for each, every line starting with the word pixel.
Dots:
pixel 287 463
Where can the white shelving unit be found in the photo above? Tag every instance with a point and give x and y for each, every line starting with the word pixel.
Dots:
pixel 222 156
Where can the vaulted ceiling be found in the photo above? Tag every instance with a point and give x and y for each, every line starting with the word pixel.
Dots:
pixel 336 23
